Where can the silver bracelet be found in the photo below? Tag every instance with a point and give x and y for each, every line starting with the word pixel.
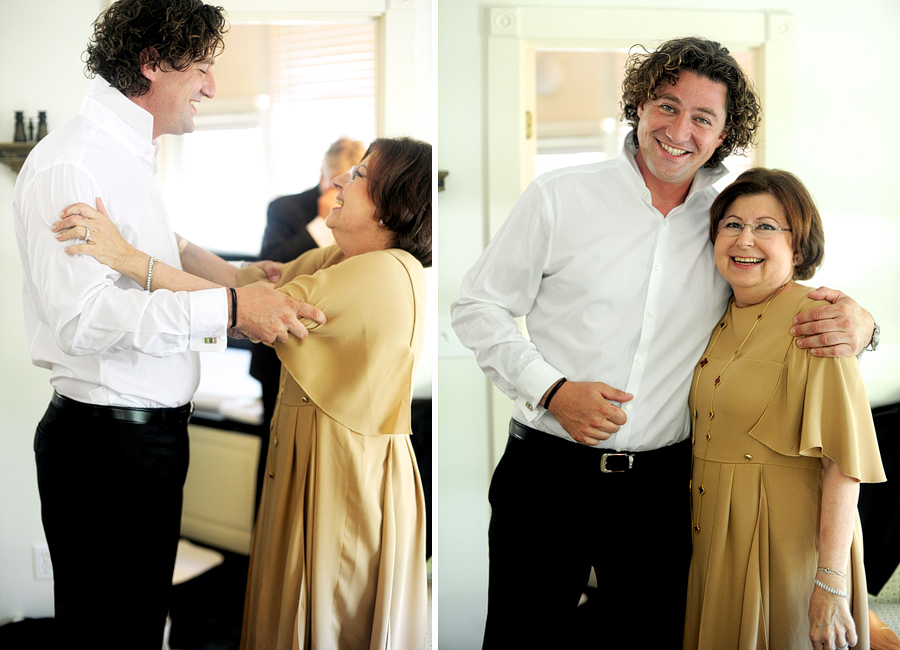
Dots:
pixel 825 569
pixel 153 262
pixel 831 590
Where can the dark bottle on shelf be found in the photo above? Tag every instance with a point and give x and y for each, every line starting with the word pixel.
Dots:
pixel 42 125
pixel 20 128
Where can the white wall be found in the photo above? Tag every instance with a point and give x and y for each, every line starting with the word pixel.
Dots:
pixel 844 131
pixel 41 43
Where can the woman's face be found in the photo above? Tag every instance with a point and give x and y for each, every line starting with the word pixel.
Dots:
pixel 352 219
pixel 755 267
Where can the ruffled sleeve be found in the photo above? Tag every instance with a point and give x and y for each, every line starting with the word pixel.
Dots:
pixel 358 367
pixel 823 398
pixel 837 419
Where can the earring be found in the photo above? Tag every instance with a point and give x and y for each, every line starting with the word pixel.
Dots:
pixel 381 222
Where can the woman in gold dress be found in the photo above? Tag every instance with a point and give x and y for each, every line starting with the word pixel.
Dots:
pixel 338 557
pixel 781 440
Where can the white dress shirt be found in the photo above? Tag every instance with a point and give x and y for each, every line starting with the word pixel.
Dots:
pixel 611 290
pixel 104 337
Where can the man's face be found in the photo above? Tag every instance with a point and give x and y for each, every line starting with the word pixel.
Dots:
pixel 174 96
pixel 682 127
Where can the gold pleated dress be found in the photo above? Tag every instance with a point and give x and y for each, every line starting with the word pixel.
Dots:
pixel 778 410
pixel 338 556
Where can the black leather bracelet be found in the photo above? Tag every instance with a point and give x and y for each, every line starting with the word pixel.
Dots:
pixel 553 392
pixel 233 307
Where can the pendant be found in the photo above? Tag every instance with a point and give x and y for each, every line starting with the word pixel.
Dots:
pixel 696 528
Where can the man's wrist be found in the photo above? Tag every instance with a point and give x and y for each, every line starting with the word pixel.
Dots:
pixel 875 340
pixel 551 392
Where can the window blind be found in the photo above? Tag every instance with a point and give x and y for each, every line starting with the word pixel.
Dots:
pixel 322 61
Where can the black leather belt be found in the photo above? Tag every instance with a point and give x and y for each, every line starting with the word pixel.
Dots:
pixel 159 417
pixel 610 462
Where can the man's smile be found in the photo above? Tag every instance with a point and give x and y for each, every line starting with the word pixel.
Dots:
pixel 672 150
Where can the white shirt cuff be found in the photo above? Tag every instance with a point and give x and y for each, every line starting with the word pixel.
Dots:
pixel 209 318
pixel 534 381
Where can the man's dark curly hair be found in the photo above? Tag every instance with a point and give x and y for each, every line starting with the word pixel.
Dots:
pixel 174 33
pixel 645 71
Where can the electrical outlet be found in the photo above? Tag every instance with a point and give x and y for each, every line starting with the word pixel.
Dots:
pixel 43 567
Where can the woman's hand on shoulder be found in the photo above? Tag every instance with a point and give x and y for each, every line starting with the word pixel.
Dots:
pixel 101 237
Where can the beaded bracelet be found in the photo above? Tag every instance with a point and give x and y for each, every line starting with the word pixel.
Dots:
pixel 831 590
pixel 153 262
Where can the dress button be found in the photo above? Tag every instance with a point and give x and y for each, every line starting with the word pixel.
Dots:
pixel 628 407
pixel 748 457
pixel 304 399
pixel 276 441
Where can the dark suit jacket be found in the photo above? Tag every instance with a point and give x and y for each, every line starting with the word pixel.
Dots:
pixel 286 237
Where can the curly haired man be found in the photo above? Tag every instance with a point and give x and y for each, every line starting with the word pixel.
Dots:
pixel 112 448
pixel 612 267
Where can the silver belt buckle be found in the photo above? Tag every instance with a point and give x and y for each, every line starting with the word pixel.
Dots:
pixel 616 463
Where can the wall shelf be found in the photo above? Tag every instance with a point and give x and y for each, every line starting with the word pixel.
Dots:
pixel 13 154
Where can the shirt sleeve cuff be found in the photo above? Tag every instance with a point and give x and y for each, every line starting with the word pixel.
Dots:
pixel 209 318
pixel 534 381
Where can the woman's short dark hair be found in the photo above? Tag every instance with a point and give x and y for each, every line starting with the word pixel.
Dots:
pixel 174 33
pixel 807 234
pixel 645 71
pixel 400 188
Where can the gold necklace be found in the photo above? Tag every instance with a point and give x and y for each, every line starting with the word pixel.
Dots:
pixel 701 489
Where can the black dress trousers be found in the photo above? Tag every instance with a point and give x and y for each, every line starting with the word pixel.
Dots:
pixel 556 514
pixel 111 499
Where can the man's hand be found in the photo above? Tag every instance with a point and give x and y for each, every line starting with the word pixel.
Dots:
pixel 584 410
pixel 841 329
pixel 268 315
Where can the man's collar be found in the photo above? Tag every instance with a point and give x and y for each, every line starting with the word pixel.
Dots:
pixel 134 124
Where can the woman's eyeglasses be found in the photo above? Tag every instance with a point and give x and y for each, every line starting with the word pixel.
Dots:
pixel 733 227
